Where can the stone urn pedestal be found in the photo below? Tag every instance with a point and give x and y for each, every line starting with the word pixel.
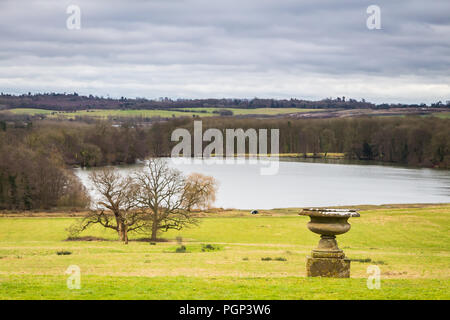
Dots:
pixel 327 260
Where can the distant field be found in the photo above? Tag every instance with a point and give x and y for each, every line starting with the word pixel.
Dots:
pixel 200 112
pixel 108 113
pixel 410 245
pixel 259 111
pixel 30 111
pixel 442 115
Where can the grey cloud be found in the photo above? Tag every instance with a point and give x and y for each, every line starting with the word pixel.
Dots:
pixel 229 48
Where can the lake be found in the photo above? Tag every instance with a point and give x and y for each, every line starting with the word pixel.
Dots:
pixel 308 184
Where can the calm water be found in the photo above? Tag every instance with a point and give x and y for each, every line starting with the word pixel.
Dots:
pixel 300 184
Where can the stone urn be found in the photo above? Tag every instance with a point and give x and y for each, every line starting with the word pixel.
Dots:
pixel 327 260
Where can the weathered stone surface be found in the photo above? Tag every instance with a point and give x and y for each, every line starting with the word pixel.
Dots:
pixel 328 267
pixel 327 254
pixel 328 248
pixel 327 260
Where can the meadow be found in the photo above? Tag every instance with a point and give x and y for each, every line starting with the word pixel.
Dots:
pixel 250 257
pixel 190 112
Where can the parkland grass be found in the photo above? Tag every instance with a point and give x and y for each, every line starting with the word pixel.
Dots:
pixel 410 245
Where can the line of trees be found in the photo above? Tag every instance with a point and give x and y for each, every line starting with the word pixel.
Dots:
pixel 414 140
pixel 31 179
pixel 81 144
pixel 74 101
pixel 417 141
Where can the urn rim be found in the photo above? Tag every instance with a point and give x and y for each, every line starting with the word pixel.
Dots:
pixel 335 213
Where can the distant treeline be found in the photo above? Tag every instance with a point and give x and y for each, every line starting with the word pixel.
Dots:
pixel 34 156
pixel 74 102
pixel 422 141
pixel 411 140
pixel 34 176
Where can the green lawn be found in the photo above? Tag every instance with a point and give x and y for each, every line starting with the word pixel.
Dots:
pixel 200 112
pixel 411 246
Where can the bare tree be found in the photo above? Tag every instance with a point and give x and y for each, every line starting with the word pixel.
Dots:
pixel 156 198
pixel 163 197
pixel 200 191
pixel 116 208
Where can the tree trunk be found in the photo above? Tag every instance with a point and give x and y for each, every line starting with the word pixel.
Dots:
pixel 154 230
pixel 119 231
pixel 123 232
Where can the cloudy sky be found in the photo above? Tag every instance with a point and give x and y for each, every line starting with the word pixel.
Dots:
pixel 309 49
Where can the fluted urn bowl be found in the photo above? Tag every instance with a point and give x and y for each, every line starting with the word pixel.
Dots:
pixel 327 260
pixel 329 222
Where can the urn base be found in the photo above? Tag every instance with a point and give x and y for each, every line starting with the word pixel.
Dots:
pixel 328 267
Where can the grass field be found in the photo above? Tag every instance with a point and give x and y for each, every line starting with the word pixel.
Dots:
pixel 200 112
pixel 411 246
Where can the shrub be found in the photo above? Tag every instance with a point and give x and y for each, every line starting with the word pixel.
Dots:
pixel 274 259
pixel 366 260
pixel 209 247
pixel 85 238
pixel 181 249
pixel 63 253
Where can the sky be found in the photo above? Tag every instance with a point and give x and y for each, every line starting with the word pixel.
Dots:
pixel 311 49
